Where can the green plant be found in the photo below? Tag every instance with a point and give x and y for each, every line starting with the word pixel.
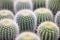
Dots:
pixel 54 5
pixel 43 15
pixel 7 4
pixel 39 3
pixel 57 19
pixel 23 4
pixel 6 14
pixel 8 29
pixel 26 20
pixel 48 31
pixel 27 36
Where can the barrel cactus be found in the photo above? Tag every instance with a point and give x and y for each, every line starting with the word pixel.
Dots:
pixel 26 20
pixel 48 31
pixel 7 4
pixel 54 5
pixel 23 4
pixel 57 19
pixel 39 3
pixel 8 29
pixel 27 36
pixel 6 14
pixel 43 15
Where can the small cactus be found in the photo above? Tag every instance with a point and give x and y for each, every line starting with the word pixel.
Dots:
pixel 57 19
pixel 6 14
pixel 43 15
pixel 23 4
pixel 27 36
pixel 48 31
pixel 26 20
pixel 8 29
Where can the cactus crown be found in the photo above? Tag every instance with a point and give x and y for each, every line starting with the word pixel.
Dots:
pixel 25 13
pixel 48 24
pixel 43 11
pixel 4 12
pixel 23 0
pixel 6 22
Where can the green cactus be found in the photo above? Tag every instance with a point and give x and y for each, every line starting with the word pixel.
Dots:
pixel 27 36
pixel 7 4
pixel 54 5
pixel 26 20
pixel 57 19
pixel 23 4
pixel 48 31
pixel 39 3
pixel 43 15
pixel 6 14
pixel 8 29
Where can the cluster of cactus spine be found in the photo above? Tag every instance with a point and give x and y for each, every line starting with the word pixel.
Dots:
pixel 57 20
pixel 8 29
pixel 23 4
pixel 27 36
pixel 54 5
pixel 48 31
pixel 7 4
pixel 26 20
pixel 6 14
pixel 38 3
pixel 43 15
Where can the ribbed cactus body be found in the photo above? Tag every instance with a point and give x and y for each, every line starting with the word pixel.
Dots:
pixel 39 3
pixel 54 5
pixel 27 36
pixel 57 19
pixel 6 14
pixel 26 20
pixel 23 4
pixel 48 31
pixel 43 15
pixel 8 29
pixel 7 4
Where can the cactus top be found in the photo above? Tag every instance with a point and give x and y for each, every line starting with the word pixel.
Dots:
pixel 25 12
pixel 5 12
pixel 28 36
pixel 43 11
pixel 49 25
pixel 6 22
pixel 23 0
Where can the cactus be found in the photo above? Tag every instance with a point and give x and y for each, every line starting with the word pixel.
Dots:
pixel 27 36
pixel 6 14
pixel 48 31
pixel 8 29
pixel 23 4
pixel 26 20
pixel 57 19
pixel 43 15
pixel 7 4
pixel 39 3
pixel 54 5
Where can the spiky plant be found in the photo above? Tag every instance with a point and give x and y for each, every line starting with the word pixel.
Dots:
pixel 23 4
pixel 27 36
pixel 43 15
pixel 54 5
pixel 7 4
pixel 39 3
pixel 48 31
pixel 26 20
pixel 57 19
pixel 6 14
pixel 8 29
